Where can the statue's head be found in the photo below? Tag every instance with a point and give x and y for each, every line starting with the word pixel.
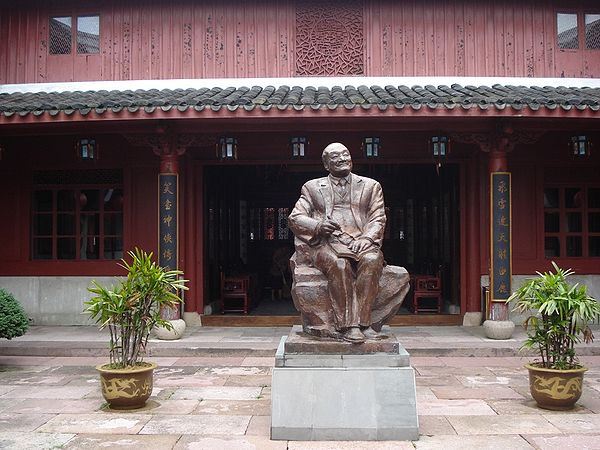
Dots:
pixel 337 159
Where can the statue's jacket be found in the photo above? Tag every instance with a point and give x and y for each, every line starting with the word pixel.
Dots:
pixel 316 204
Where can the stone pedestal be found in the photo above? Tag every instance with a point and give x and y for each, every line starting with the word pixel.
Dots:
pixel 334 390
pixel 498 329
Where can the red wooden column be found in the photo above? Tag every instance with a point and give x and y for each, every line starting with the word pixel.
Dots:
pixel 473 245
pixel 473 313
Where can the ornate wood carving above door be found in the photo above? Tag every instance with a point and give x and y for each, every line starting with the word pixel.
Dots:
pixel 329 37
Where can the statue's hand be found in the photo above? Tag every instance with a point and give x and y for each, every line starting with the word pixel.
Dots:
pixel 360 245
pixel 326 227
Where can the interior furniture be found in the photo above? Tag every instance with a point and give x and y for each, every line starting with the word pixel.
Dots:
pixel 235 293
pixel 427 295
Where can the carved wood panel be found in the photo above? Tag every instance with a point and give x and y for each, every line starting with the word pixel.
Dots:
pixel 329 37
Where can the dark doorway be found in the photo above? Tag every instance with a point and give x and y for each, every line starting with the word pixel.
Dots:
pixel 246 227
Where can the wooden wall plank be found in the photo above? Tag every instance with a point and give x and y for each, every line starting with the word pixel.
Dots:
pixel 161 39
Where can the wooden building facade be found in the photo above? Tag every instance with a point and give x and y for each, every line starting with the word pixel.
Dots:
pixel 86 169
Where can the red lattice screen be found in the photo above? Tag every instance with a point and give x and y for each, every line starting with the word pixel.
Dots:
pixel 329 38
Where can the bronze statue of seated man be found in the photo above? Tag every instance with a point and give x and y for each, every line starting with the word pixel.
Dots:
pixel 340 284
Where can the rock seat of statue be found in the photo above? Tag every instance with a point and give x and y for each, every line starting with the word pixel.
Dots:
pixel 311 298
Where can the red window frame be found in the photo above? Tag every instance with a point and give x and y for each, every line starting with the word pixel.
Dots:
pixel 569 227
pixel 78 212
pixel 74 49
pixel 581 28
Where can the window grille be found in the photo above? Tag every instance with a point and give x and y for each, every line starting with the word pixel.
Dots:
pixel 571 222
pixel 88 34
pixel 60 35
pixel 567 32
pixel 72 221
pixel 592 31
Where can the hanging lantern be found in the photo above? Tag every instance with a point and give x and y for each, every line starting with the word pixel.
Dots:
pixel 87 149
pixel 580 145
pixel 439 146
pixel 227 148
pixel 298 144
pixel 371 146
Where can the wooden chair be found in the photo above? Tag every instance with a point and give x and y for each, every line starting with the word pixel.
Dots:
pixel 426 289
pixel 235 293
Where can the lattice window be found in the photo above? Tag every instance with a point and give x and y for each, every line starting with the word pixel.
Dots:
pixel 571 221
pixel 592 31
pixel 61 35
pixel 329 38
pixel 88 34
pixel 568 33
pixel 77 222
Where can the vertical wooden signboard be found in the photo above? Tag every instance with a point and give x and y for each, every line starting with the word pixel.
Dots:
pixel 168 185
pixel 501 243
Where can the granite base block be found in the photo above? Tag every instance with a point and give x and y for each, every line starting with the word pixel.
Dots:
pixel 344 404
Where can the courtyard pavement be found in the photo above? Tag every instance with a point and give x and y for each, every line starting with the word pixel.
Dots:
pixel 212 391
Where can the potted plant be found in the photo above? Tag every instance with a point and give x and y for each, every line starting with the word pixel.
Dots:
pixel 561 316
pixel 130 311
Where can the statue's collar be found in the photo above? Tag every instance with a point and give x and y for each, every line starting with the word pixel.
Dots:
pixel 336 180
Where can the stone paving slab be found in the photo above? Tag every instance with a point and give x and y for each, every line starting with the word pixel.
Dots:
pixel 565 442
pixel 259 426
pixel 445 370
pixel 234 407
pixel 22 422
pixel 5 389
pixel 195 442
pixel 121 441
pixel 103 423
pixel 56 392
pixel 592 404
pixel 438 380
pixel 472 442
pixel 51 406
pixel 434 425
pixel 218 393
pixel 197 424
pixel 490 392
pixel 481 381
pixel 350 445
pixel 247 370
pixel 248 380
pixel 9 404
pixel 27 441
pixel 265 361
pixel 40 378
pixel 579 423
pixel 461 407
pixel 188 381
pixel 493 425
pixel 528 406
pixel 160 406
pixel 208 361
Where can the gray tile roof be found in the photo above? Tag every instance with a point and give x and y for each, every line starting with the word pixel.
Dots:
pixel 496 97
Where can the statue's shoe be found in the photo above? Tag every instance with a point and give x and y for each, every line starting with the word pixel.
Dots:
pixel 370 333
pixel 354 335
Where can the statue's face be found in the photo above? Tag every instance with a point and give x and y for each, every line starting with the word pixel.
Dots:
pixel 338 162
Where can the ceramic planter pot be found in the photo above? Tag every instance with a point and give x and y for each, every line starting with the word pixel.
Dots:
pixel 126 388
pixel 555 389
